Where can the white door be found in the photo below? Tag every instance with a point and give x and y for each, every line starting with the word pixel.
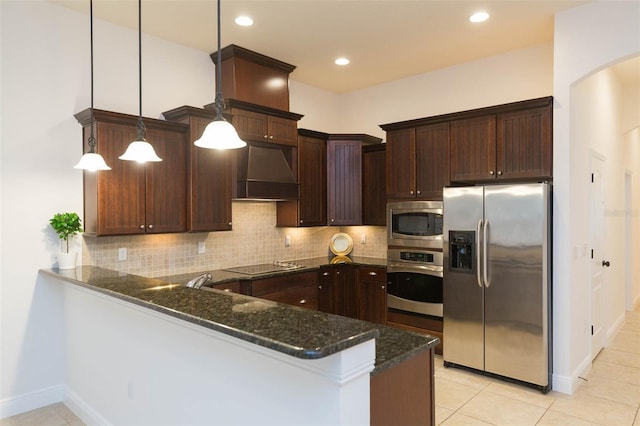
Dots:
pixel 597 254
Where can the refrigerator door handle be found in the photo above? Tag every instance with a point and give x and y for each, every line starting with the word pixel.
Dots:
pixel 478 259
pixel 485 251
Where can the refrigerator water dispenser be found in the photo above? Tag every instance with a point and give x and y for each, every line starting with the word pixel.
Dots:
pixel 461 251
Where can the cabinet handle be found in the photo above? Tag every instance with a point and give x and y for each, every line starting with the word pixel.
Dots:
pixel 266 136
pixel 382 286
pixel 325 274
pixel 301 221
pixel 141 226
pixel 303 301
pixel 373 274
pixel 228 290
pixel 411 192
pixel 338 273
pixel 320 287
pixel 271 137
pixel 150 226
pixel 230 223
pixel 418 192
pixel 491 172
pixel 499 172
pixel 332 220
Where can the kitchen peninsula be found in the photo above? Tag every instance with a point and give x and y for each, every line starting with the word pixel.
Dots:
pixel 146 350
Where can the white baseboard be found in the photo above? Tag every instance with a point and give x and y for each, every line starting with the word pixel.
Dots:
pixel 31 401
pixel 613 330
pixel 568 384
pixel 83 410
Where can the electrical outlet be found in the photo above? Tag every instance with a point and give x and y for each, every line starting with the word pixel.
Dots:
pixel 201 247
pixel 287 240
pixel 363 239
pixel 130 391
pixel 122 253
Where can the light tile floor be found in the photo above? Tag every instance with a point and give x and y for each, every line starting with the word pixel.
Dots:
pixel 609 395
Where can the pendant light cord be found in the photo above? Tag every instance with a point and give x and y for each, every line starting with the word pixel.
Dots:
pixel 140 128
pixel 92 140
pixel 219 99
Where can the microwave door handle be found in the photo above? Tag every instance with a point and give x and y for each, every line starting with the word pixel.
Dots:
pixel 478 257
pixel 485 253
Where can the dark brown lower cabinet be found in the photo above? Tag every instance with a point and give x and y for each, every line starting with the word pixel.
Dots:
pixel 403 395
pixel 372 294
pixel 294 289
pixel 418 324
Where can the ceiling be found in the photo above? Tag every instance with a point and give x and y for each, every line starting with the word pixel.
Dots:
pixel 384 39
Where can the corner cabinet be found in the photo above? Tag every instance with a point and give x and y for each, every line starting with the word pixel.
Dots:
pixel 311 207
pixel 344 177
pixel 132 198
pixel 210 175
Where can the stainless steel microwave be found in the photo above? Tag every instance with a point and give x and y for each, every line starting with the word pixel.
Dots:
pixel 415 224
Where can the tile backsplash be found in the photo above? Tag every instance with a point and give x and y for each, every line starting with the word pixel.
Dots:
pixel 255 239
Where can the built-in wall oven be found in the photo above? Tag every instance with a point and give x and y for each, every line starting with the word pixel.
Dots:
pixel 415 224
pixel 414 281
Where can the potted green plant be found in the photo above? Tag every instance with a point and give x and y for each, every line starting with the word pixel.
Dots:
pixel 66 225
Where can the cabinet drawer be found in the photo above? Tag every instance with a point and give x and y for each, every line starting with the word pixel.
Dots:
pixel 370 273
pixel 264 286
pixel 233 287
pixel 304 297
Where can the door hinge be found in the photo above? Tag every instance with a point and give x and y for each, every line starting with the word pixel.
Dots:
pixel 592 330
pixel 592 178
pixel 592 253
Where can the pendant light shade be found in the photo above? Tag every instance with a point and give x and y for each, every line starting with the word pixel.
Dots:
pixel 140 150
pixel 91 161
pixel 219 134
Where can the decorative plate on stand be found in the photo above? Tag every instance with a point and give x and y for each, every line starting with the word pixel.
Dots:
pixel 341 244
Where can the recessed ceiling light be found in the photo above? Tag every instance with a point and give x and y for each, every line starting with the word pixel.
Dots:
pixel 342 61
pixel 244 21
pixel 480 16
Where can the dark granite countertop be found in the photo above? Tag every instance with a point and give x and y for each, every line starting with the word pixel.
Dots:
pixel 298 332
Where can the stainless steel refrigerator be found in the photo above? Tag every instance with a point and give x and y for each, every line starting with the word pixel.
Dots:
pixel 497 280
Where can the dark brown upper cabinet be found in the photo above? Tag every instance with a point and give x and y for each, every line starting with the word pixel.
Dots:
pixel 511 142
pixel 311 207
pixel 344 177
pixel 210 175
pixel 134 198
pixel 374 197
pixel 418 162
pixel 253 77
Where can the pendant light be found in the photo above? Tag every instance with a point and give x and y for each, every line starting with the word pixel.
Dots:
pixel 140 150
pixel 92 161
pixel 219 134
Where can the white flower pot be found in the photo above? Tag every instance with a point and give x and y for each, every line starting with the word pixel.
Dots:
pixel 67 260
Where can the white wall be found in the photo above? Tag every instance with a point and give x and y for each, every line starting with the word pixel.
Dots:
pixel 45 80
pixel 587 39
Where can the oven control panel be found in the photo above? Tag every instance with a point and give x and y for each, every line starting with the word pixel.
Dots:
pixel 416 257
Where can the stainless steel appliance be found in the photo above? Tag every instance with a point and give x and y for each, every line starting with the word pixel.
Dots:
pixel 414 281
pixel 497 293
pixel 415 224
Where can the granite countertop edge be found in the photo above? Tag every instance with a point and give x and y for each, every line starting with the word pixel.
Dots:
pixel 393 346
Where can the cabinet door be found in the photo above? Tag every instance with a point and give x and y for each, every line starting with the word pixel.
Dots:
pixel 251 126
pixel 372 295
pixel 524 148
pixel 327 290
pixel 344 182
pixel 432 160
pixel 282 131
pixel 401 167
pixel 312 178
pixel 166 184
pixel 374 198
pixel 211 185
pixel 473 149
pixel 115 200
pixel 346 291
